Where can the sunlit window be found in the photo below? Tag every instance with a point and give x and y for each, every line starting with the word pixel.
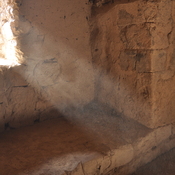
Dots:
pixel 10 55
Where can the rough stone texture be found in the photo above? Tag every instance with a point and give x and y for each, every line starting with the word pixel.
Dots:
pixel 18 101
pixel 132 48
pixel 130 62
pixel 112 78
pixel 57 50
pixel 163 81
pixel 56 72
pixel 102 81
pixel 148 154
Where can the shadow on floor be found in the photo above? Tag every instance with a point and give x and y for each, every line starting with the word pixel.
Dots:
pixel 162 165
pixel 56 145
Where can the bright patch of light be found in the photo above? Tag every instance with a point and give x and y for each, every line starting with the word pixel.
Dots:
pixel 11 63
pixel 9 47
pixel 6 31
pixel 9 52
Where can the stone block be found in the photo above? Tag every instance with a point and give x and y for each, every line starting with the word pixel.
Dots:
pixel 164 14
pixel 147 156
pixel 149 10
pixel 23 111
pixel 143 61
pixel 131 96
pixel 156 11
pixel 149 147
pixel 159 35
pixel 163 99
pixel 143 64
pixel 143 145
pixel 116 158
pixel 78 170
pixel 137 75
pixel 92 166
pixel 122 156
pixel 131 60
pixel 105 164
pixel 136 36
pixel 128 14
pixel 158 60
pixel 162 134
pixel 128 60
pixel 146 36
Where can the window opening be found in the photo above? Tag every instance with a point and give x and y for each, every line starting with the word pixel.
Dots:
pixel 10 55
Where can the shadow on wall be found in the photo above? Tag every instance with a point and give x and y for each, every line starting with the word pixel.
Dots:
pixel 61 65
pixel 20 103
pixel 59 145
pixel 57 71
pixel 129 51
pixel 55 41
pixel 60 78
pixel 120 44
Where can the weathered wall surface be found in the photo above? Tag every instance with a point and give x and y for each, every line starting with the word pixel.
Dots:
pixel 55 41
pixel 164 78
pixel 57 70
pixel 132 45
pixel 129 60
pixel 17 101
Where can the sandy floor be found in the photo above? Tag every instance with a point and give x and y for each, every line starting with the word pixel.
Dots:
pixel 58 145
pixel 47 148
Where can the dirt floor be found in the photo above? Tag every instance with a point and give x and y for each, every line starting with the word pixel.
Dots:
pixel 58 145
pixel 162 165
pixel 47 148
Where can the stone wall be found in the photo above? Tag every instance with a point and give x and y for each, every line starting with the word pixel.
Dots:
pixel 164 77
pixel 132 47
pixel 119 53
pixel 55 41
pixel 56 73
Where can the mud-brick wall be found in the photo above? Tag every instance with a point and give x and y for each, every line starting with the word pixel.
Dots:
pixel 57 70
pixel 133 50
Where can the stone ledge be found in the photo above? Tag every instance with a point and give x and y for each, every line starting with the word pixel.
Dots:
pixel 128 158
pixel 86 144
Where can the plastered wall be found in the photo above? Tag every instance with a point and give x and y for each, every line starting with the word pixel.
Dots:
pixel 55 41
pixel 119 53
pixel 133 44
pixel 56 73
pixel 164 80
